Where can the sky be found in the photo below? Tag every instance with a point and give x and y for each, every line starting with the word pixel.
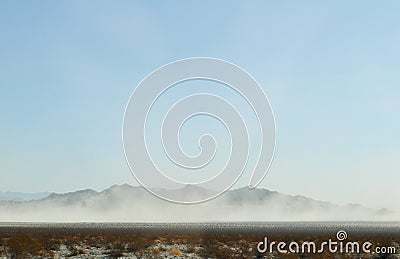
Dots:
pixel 330 70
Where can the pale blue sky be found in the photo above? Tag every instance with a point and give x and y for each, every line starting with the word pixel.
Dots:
pixel 331 70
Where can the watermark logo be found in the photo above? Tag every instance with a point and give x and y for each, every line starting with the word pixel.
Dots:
pixel 156 172
pixel 341 235
pixel 340 245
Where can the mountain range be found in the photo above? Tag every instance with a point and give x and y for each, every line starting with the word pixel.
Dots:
pixel 21 196
pixel 126 203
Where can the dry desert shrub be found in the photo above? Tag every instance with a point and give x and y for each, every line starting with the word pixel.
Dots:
pixel 180 241
pixel 156 250
pixel 160 240
pixel 82 251
pixel 175 251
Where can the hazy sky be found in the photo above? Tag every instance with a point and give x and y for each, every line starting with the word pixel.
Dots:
pixel 331 70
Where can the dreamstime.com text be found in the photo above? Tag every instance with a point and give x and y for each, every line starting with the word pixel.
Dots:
pixel 333 246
